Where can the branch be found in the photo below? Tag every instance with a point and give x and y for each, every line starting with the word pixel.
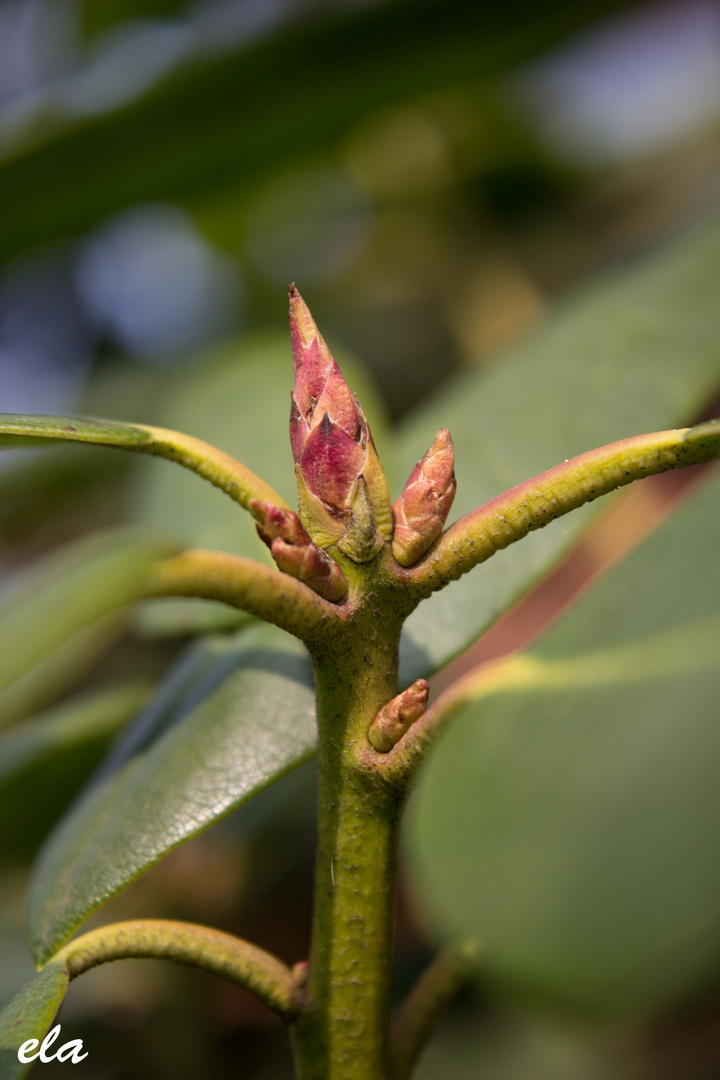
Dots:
pixel 426 1004
pixel 161 939
pixel 536 502
pixel 243 583
pixel 207 461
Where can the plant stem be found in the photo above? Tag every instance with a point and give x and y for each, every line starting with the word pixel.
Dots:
pixel 243 583
pixel 343 1033
pixel 161 939
pixel 427 1003
pixel 207 461
pixel 538 501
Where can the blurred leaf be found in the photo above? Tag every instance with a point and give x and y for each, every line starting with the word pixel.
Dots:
pixel 569 818
pixel 44 761
pixel 99 14
pixel 244 725
pixel 475 1042
pixel 61 670
pixel 68 591
pixel 227 122
pixel 176 616
pixel 637 353
pixel 46 482
pixel 29 1016
pixel 73 722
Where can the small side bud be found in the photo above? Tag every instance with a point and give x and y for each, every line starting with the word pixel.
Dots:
pixel 395 718
pixel 424 505
pixel 300 972
pixel 294 551
pixel 343 495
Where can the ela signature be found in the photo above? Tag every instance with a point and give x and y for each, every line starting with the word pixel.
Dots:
pixel 69 1051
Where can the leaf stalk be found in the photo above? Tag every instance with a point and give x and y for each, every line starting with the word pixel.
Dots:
pixel 536 502
pixel 220 954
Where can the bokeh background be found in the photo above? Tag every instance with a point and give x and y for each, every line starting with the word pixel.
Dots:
pixel 436 175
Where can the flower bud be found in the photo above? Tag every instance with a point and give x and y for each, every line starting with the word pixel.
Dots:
pixel 294 551
pixel 421 510
pixel 343 495
pixel 300 973
pixel 395 718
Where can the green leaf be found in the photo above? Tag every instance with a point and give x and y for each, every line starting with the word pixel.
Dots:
pixel 227 123
pixel 68 591
pixel 94 714
pixel 62 670
pixel 45 483
pixel 636 353
pixel 17 429
pixel 43 761
pixel 205 459
pixel 237 716
pixel 569 818
pixel 179 616
pixel 29 1016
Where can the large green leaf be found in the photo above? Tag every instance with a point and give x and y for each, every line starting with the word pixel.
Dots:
pixel 569 818
pixel 29 1016
pixel 61 671
pixel 636 353
pixel 47 482
pixel 249 720
pixel 68 591
pixel 231 121
pixel 43 761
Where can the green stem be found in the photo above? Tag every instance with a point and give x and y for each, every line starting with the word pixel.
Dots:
pixel 207 461
pixel 162 939
pixel 343 1033
pixel 537 502
pixel 243 583
pixel 426 1004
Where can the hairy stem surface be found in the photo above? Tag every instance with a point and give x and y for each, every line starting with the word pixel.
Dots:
pixel 538 501
pixel 343 1033
pixel 243 583
pixel 211 950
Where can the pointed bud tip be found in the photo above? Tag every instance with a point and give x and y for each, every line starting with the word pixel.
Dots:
pixel 422 509
pixel 302 324
pixel 343 496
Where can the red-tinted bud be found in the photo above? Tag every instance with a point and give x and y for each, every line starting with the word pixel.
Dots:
pixel 275 521
pixel 294 551
pixel 300 973
pixel 395 718
pixel 343 495
pixel 421 510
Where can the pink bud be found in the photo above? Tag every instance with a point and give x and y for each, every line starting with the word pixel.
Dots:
pixel 294 551
pixel 395 718
pixel 300 973
pixel 343 496
pixel 421 510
